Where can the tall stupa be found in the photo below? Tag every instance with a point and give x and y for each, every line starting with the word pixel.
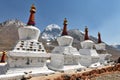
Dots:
pixel 28 52
pixel 64 54
pixel 88 52
pixel 101 49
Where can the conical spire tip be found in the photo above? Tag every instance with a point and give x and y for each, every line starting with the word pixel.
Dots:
pixel 86 37
pixel 99 38
pixel 33 8
pixel 65 21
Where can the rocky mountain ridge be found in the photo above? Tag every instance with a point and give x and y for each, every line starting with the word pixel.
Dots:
pixel 51 32
pixel 117 46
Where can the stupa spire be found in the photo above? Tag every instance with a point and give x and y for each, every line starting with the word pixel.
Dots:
pixel 64 32
pixel 31 20
pixel 86 37
pixel 99 38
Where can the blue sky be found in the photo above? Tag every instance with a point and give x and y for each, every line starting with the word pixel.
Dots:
pixel 99 15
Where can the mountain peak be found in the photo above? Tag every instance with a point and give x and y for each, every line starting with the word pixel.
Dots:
pixel 117 46
pixel 51 27
pixel 51 32
pixel 12 21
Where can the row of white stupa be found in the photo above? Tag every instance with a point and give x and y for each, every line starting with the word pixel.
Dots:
pixel 29 52
pixel 66 55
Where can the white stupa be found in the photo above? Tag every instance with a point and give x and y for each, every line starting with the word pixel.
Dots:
pixel 100 45
pixel 101 49
pixel 28 52
pixel 88 53
pixel 64 54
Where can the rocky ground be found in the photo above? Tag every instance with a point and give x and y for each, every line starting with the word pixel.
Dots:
pixel 104 73
pixel 110 76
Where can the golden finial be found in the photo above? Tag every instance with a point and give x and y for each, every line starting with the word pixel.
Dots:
pixel 65 21
pixel 33 8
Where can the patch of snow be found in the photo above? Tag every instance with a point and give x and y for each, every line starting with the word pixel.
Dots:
pixel 51 32
pixel 51 27
pixel 12 21
pixel 117 46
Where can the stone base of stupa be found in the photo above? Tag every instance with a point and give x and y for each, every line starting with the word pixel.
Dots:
pixel 34 70
pixel 17 73
pixel 88 57
pixel 62 62
pixel 23 59
pixel 66 68
pixel 70 54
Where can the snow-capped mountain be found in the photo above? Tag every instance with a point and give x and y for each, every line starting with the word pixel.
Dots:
pixel 15 22
pixel 51 32
pixel 117 46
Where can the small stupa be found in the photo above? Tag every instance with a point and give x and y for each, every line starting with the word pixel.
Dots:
pixel 3 63
pixel 3 57
pixel 87 43
pixel 100 45
pixel 88 52
pixel 64 54
pixel 101 49
pixel 28 52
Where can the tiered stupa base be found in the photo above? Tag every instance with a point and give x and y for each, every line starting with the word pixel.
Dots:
pixel 61 62
pixel 21 59
pixel 28 53
pixel 88 57
pixel 64 55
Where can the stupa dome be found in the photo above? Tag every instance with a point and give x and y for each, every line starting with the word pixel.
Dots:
pixel 87 44
pixel 65 40
pixel 28 33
